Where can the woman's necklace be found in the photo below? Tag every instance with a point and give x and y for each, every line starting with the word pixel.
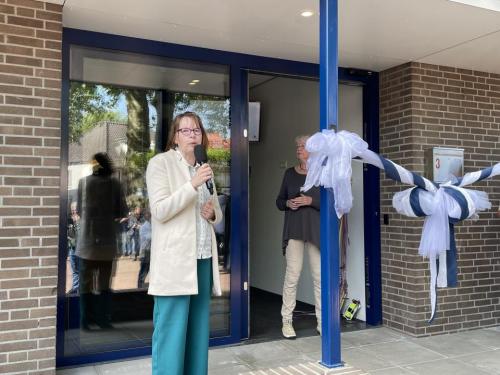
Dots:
pixel 302 169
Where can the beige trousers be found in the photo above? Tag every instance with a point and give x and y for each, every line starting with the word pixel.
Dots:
pixel 294 260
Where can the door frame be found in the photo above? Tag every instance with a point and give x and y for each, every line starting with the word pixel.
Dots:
pixel 239 65
pixel 368 81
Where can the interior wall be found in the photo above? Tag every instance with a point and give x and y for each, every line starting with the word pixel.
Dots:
pixel 290 107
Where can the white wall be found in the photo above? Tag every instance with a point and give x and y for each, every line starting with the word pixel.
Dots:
pixel 290 107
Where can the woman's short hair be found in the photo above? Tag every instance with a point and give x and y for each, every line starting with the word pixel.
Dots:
pixel 175 127
pixel 302 138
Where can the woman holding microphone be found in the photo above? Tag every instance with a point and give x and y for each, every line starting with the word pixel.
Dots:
pixel 184 262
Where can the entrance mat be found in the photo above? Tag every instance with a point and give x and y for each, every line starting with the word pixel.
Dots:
pixel 310 368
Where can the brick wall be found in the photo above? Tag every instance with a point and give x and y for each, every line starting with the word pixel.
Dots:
pixel 423 106
pixel 30 71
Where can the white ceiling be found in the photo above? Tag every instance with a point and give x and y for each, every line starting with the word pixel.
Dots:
pixel 373 34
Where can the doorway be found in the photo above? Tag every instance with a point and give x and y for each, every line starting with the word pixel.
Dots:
pixel 284 108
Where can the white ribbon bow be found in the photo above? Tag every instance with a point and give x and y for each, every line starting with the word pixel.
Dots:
pixel 329 164
pixel 439 207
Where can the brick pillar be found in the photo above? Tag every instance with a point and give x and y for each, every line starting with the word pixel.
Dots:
pixel 422 106
pixel 30 91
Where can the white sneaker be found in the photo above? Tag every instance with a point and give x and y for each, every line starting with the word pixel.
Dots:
pixel 288 331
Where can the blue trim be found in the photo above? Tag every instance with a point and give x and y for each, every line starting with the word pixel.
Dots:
pixel 63 205
pixel 126 353
pixel 227 340
pixel 371 198
pixel 238 63
pixel 330 262
pixel 371 195
pixel 239 203
pixel 103 357
pixel 177 51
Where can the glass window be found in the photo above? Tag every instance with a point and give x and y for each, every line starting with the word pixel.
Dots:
pixel 120 107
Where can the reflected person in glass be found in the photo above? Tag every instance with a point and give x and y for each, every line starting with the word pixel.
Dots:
pixel 73 228
pixel 133 227
pixel 101 204
pixel 145 249
pixel 301 233
pixel 184 262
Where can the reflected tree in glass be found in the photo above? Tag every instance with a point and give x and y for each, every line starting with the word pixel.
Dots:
pixel 138 141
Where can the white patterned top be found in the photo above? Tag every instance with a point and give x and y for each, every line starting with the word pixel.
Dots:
pixel 203 233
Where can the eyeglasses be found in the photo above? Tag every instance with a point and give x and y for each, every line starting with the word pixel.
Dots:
pixel 187 132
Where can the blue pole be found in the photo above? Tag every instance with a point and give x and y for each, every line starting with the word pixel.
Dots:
pixel 330 272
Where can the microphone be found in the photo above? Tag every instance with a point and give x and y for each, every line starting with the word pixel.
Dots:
pixel 200 155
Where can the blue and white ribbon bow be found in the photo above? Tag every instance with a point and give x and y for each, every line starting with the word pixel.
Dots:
pixel 442 205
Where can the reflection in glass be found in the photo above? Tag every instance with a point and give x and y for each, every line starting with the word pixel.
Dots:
pixel 101 204
pixel 107 306
pixel 106 216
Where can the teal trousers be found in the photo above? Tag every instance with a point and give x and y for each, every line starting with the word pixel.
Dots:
pixel 181 329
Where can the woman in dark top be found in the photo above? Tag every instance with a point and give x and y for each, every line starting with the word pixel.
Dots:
pixel 300 234
pixel 101 203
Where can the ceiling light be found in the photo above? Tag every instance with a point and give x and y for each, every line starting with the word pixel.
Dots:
pixel 192 83
pixel 307 13
pixel 485 4
pixel 195 80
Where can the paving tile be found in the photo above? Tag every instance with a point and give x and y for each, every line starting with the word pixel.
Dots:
pixel 443 367
pixel 370 336
pixel 487 361
pixel 451 345
pixel 304 345
pixel 401 352
pixel 362 359
pixel 85 370
pixel 277 362
pixel 373 351
pixel 484 337
pixel 135 367
pixel 309 368
pixel 391 371
pixel 218 358
pixel 268 351
pixel 233 370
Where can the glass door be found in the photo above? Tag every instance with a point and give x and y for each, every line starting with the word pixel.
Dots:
pixel 120 109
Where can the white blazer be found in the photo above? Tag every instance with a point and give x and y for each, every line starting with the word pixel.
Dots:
pixel 172 200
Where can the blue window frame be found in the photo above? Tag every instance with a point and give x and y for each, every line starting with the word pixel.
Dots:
pixel 240 65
